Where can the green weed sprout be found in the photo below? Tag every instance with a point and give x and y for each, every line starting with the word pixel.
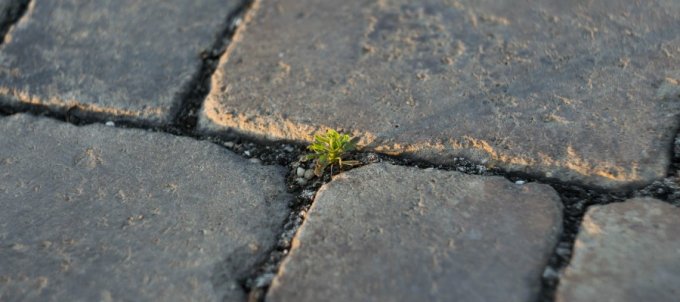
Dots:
pixel 329 149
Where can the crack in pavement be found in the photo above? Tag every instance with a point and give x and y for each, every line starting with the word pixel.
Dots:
pixel 11 15
pixel 186 116
pixel 576 198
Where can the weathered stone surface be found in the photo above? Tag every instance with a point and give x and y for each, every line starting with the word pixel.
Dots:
pixel 579 91
pixel 625 252
pixel 390 233
pixel 98 214
pixel 130 58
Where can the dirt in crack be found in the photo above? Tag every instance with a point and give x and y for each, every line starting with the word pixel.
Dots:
pixel 576 199
pixel 11 15
pixel 186 117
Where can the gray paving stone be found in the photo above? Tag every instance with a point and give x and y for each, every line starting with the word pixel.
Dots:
pixel 101 214
pixel 625 252
pixel 131 59
pixel 390 233
pixel 578 91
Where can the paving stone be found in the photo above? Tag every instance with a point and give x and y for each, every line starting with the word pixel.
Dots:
pixel 102 214
pixel 578 91
pixel 390 233
pixel 132 59
pixel 626 251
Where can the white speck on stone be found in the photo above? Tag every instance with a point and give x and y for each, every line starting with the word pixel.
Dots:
pixel 300 172
pixel 520 182
pixel 255 160
pixel 237 22
pixel 309 174
pixel 429 169
pixel 247 153
pixel 228 144
pixel 280 55
pixel 110 124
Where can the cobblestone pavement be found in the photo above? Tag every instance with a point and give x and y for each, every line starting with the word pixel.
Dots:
pixel 509 151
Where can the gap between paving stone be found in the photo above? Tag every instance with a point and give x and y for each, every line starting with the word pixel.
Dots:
pixel 575 198
pixel 10 14
pixel 192 98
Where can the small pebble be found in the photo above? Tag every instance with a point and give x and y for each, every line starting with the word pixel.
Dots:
pixel 300 172
pixel 228 144
pixel 550 273
pixel 236 22
pixel 264 280
pixel 247 153
pixel 520 182
pixel 308 194
pixel 309 174
pixel 288 148
pixel 110 124
pixel 301 181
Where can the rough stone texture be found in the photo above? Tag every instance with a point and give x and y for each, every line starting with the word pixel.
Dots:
pixel 584 91
pixel 625 252
pixel 98 214
pixel 131 59
pixel 390 233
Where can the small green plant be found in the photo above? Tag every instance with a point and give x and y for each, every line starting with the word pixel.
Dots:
pixel 329 149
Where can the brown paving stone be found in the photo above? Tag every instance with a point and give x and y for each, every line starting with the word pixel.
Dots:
pixel 579 91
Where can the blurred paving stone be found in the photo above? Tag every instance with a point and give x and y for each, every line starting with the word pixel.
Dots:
pixel 98 214
pixel 390 233
pixel 579 91
pixel 132 59
pixel 625 252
